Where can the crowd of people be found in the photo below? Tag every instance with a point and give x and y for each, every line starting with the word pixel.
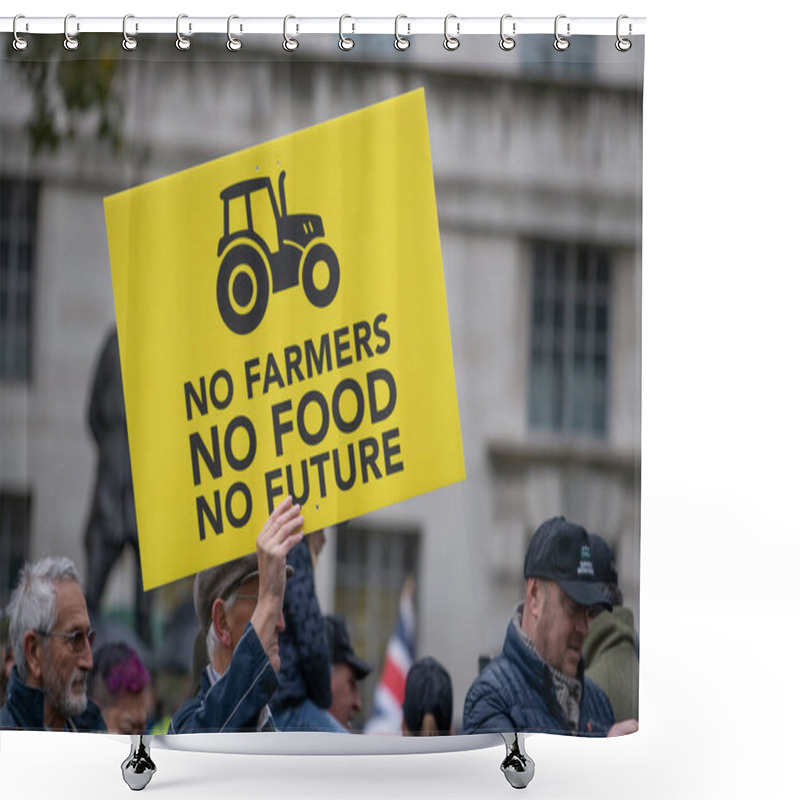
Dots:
pixel 269 660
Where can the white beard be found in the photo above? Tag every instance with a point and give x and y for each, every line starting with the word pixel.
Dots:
pixel 68 698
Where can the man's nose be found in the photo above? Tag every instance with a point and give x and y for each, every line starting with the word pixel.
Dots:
pixel 357 701
pixel 582 622
pixel 85 660
pixel 281 623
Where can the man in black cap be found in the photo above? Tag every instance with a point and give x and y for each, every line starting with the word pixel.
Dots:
pixel 346 670
pixel 239 605
pixel 537 683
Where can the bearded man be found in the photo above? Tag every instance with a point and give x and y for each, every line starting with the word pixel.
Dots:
pixel 52 643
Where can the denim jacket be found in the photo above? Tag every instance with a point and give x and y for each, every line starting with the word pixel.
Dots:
pixel 235 700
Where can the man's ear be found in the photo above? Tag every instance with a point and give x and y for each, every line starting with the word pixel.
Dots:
pixel 219 619
pixel 534 596
pixel 33 653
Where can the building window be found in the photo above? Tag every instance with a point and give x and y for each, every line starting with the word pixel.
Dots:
pixel 371 565
pixel 15 526
pixel 570 344
pixel 18 211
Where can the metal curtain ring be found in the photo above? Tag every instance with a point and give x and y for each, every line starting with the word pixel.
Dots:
pixel 623 45
pixel 451 42
pixel 289 44
pixel 400 42
pixel 19 43
pixel 560 42
pixel 70 42
pixel 128 42
pixel 345 42
pixel 181 42
pixel 233 43
pixel 507 42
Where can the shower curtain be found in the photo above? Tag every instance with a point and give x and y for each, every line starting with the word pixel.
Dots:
pixel 395 276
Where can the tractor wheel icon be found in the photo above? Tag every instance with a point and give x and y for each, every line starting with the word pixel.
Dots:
pixel 318 258
pixel 242 288
pixel 250 270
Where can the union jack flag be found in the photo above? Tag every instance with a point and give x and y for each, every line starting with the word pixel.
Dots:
pixel 387 701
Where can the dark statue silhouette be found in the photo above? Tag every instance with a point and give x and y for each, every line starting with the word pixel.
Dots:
pixel 112 520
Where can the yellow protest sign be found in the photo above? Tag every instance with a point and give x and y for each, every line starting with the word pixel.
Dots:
pixel 283 329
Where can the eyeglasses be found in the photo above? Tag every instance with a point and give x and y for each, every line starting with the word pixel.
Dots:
pixel 577 610
pixel 76 640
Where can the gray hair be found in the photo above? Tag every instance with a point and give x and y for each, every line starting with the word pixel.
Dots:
pixel 33 602
pixel 212 640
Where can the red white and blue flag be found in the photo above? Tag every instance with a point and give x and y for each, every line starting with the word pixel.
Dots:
pixel 387 701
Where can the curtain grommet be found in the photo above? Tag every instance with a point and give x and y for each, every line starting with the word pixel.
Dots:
pixel 128 42
pixel 290 44
pixel 401 42
pixel 233 44
pixel 451 43
pixel 19 43
pixel 561 43
pixel 345 42
pixel 622 44
pixel 71 42
pixel 507 42
pixel 181 41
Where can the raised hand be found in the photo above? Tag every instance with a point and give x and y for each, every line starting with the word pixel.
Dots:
pixel 281 532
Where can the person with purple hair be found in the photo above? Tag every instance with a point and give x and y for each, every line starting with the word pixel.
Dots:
pixel 118 683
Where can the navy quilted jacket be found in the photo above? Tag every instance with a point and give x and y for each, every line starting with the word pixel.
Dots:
pixel 24 708
pixel 515 693
pixel 305 658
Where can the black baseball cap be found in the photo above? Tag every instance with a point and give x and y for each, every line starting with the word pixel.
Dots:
pixel 559 551
pixel 340 647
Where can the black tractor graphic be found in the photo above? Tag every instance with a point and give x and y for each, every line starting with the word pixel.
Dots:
pixel 243 282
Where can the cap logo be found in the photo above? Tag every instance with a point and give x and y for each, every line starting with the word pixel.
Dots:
pixel 585 566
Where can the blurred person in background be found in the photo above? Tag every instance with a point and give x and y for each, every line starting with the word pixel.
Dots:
pixel 347 669
pixel 6 657
pixel 611 650
pixel 118 685
pixel 428 700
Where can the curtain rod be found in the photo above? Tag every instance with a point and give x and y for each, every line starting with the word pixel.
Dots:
pixel 451 26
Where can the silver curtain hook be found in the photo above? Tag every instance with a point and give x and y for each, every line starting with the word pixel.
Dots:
pixel 19 42
pixel 451 42
pixel 400 42
pixel 289 44
pixel 128 42
pixel 560 42
pixel 233 43
pixel 181 42
pixel 623 45
pixel 70 42
pixel 507 42
pixel 345 42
